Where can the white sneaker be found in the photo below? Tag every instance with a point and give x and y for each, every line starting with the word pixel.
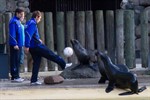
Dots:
pixel 68 65
pixel 19 80
pixel 36 83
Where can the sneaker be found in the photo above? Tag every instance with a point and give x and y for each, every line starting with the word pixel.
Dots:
pixel 36 83
pixel 68 65
pixel 18 80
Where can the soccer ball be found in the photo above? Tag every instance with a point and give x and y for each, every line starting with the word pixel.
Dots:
pixel 68 51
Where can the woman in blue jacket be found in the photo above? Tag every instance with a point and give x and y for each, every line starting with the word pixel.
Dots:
pixel 16 43
pixel 37 49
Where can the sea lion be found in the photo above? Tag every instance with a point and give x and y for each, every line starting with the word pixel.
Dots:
pixel 119 78
pixel 101 67
pixel 104 77
pixel 84 56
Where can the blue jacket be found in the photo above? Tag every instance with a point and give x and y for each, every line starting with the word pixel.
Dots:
pixel 31 34
pixel 16 34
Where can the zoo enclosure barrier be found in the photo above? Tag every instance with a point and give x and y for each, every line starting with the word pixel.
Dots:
pixel 111 30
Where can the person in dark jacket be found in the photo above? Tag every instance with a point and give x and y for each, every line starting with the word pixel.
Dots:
pixel 16 43
pixel 37 49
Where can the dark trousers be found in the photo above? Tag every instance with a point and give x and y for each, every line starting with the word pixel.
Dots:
pixel 14 62
pixel 42 51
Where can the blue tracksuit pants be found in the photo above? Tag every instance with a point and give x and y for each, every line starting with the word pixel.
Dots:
pixel 14 62
pixel 42 51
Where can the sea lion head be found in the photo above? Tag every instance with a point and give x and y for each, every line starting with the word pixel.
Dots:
pixel 76 44
pixel 103 57
pixel 78 48
pixel 80 51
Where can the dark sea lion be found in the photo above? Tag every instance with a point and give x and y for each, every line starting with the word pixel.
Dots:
pixel 104 77
pixel 101 67
pixel 119 78
pixel 84 56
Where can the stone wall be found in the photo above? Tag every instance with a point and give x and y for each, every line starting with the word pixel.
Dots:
pixel 11 5
pixel 141 2
pixel 2 5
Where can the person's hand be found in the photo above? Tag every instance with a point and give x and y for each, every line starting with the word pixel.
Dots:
pixel 26 50
pixel 16 47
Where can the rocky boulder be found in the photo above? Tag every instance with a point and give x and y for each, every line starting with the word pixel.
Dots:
pixel 53 79
pixel 82 71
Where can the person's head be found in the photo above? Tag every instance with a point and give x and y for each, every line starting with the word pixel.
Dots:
pixel 37 15
pixel 19 12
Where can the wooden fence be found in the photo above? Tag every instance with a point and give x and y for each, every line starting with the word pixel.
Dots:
pixel 113 31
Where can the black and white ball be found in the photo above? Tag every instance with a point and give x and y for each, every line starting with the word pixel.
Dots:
pixel 68 51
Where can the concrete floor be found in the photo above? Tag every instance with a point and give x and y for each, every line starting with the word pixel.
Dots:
pixel 70 94
pixel 70 89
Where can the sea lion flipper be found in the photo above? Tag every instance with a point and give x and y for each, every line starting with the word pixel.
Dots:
pixel 130 92
pixel 110 87
pixel 142 89
pixel 126 93
pixel 93 67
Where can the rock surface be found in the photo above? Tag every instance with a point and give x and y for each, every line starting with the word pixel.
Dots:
pixel 53 79
pixel 83 71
